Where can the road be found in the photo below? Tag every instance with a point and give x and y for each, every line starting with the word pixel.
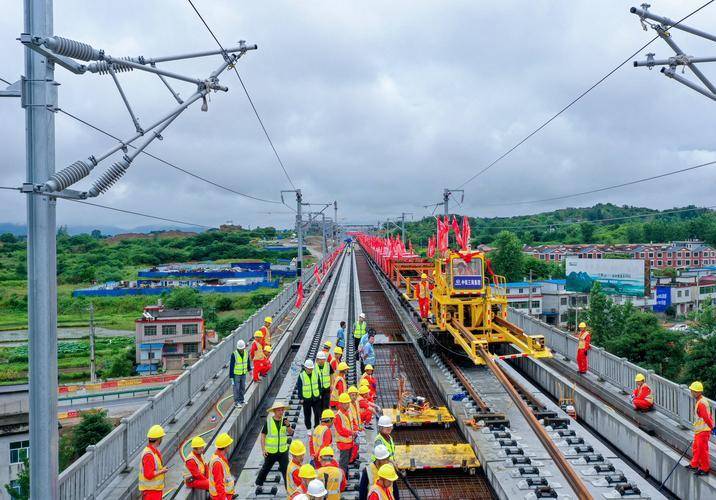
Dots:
pixel 19 337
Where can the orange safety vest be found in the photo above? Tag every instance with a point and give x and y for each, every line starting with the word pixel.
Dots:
pixel 583 339
pixel 292 487
pixel 259 353
pixel 699 424
pixel 156 484
pixel 383 494
pixel 423 290
pixel 347 424
pixel 334 386
pixel 332 478
pixel 317 438
pixel 644 388
pixel 199 462
pixel 228 478
pixel 267 334
pixel 355 414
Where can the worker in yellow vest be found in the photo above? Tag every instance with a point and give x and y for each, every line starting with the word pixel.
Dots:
pixel 338 383
pixel 239 366
pixel 359 329
pixel 385 427
pixel 198 478
pixel 221 482
pixel 310 392
pixel 274 442
pixel 306 474
pixel 331 474
pixel 382 489
pixel 152 470
pixel 324 370
pixel 297 450
pixel 266 329
pixel 703 426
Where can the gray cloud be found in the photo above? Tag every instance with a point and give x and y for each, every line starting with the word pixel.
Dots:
pixel 379 105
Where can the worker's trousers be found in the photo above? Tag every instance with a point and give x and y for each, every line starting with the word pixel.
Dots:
pixel 424 307
pixel 582 362
pixel 153 495
pixel 700 450
pixel 312 407
pixel 344 457
pixel 642 404
pixel 239 388
pixel 269 460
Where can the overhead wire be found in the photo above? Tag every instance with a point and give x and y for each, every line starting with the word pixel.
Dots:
pixel 579 97
pixel 141 214
pixel 165 162
pixel 248 96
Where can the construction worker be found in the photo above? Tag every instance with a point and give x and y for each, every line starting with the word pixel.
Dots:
pixel 324 370
pixel 266 329
pixel 370 473
pixel 221 482
pixel 703 427
pixel 239 366
pixel 341 335
pixel 585 344
pixel 274 442
pixel 368 377
pixel 327 350
pixel 316 490
pixel 257 354
pixel 354 408
pixel 382 489
pixel 197 467
pixel 424 287
pixel 367 351
pixel 359 330
pixel 366 407
pixel 338 383
pixel 267 361
pixel 322 435
pixel 152 471
pixel 306 473
pixel 641 398
pixel 385 427
pixel 345 434
pixel 337 357
pixel 331 474
pixel 297 450
pixel 310 393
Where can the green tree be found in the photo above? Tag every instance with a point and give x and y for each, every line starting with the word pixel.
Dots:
pixel 507 258
pixel 7 238
pixel 92 428
pixel 23 483
pixel 121 365
pixel 699 364
pixel 704 320
pixel 181 298
pixel 225 325
pixel 600 315
pixel 224 303
pixel 587 229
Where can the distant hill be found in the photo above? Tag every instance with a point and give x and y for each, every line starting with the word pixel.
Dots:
pixel 21 229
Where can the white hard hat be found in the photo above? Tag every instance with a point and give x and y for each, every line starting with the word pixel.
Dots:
pixel 361 315
pixel 308 364
pixel 301 496
pixel 241 344
pixel 385 421
pixel 381 452
pixel 321 355
pixel 316 488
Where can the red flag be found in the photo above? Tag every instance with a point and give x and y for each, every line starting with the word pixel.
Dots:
pixel 466 230
pixel 431 247
pixel 299 294
pixel 317 274
pixel 456 228
pixel 410 246
pixel 324 267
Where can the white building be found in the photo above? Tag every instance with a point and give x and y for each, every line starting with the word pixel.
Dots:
pixel 14 442
pixel 557 301
pixel 519 296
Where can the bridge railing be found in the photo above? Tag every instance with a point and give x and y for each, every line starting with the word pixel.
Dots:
pixel 669 397
pixel 94 470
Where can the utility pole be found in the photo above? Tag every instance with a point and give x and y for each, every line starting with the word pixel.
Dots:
pixel 39 96
pixel 530 294
pixel 93 366
pixel 299 228
pixel 446 202
pixel 323 231
pixel 335 223
pixel 402 225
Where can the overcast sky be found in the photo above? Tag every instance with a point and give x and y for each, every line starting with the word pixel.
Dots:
pixel 379 105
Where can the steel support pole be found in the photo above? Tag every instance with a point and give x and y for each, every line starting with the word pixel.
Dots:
pixel 335 223
pixel 323 231
pixel 299 232
pixel 446 202
pixel 39 94
pixel 93 365
pixel 402 228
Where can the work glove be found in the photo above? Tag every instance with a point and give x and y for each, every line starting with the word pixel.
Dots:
pixel 233 382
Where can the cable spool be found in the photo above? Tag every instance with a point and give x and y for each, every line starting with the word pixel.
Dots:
pixel 109 177
pixel 102 67
pixel 69 175
pixel 72 48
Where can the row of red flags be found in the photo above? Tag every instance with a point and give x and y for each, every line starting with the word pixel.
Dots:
pixel 439 241
pixel 319 270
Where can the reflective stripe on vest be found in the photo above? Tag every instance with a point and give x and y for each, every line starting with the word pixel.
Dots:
pixel 228 478
pixel 346 424
pixel 645 388
pixel 267 334
pixel 382 494
pixel 332 477
pixel 355 414
pixel 276 438
pixel 379 439
pixel 583 339
pixel 310 385
pixel 241 362
pixel 292 487
pixel 317 438
pixel 699 423
pixel 155 484
pixel 334 390
pixel 359 329
pixel 423 290
pixel 324 375
pixel 259 351
pixel 199 463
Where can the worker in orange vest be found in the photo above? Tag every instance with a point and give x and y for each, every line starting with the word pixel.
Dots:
pixel 306 473
pixel 372 383
pixel 331 474
pixel 354 408
pixel 322 435
pixel 266 366
pixel 221 482
pixel 583 347
pixel 337 357
pixel 266 329
pixel 152 470
pixel 195 464
pixel 327 349
pixel 703 427
pixel 257 355
pixel 366 406
pixel 345 434
pixel 297 450
pixel 424 287
pixel 641 398
pixel 382 489
pixel 338 383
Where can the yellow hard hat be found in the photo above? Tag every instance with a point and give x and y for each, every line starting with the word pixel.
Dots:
pixel 364 389
pixel 582 325
pixel 197 442
pixel 697 386
pixel 297 447
pixel 338 350
pixel 327 344
pixel 326 452
pixel 268 320
pixel 368 367
pixel 327 413
pixel 342 366
pixel 352 390
pixel 364 382
pixel 267 348
pixel 424 276
pixel 223 440
pixel 344 398
pixel 156 432
pixel 307 472
pixel 258 334
pixel 387 471
pixel 639 377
